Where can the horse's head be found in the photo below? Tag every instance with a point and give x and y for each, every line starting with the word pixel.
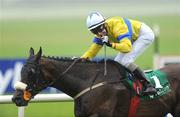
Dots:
pixel 32 80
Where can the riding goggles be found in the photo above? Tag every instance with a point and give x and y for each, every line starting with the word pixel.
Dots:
pixel 98 29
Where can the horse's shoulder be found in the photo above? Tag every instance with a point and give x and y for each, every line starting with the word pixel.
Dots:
pixel 119 67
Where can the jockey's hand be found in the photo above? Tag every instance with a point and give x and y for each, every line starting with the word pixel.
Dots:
pixel 106 41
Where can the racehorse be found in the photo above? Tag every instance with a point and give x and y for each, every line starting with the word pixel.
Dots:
pixel 95 94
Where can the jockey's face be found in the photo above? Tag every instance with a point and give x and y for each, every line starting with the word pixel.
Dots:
pixel 100 31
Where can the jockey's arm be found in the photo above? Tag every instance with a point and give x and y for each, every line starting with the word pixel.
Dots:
pixel 120 31
pixel 92 51
pixel 124 45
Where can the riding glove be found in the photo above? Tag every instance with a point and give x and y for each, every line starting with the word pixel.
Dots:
pixel 106 41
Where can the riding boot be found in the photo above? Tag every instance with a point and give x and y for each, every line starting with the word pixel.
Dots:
pixel 149 88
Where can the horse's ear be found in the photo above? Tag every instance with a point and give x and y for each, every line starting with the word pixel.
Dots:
pixel 31 52
pixel 38 55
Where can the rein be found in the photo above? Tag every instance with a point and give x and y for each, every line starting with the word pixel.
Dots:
pixel 92 86
pixel 89 88
pixel 35 88
pixel 86 89
pixel 64 72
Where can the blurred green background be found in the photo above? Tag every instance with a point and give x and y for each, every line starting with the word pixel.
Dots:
pixel 59 27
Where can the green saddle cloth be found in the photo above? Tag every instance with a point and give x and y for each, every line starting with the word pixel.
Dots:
pixel 159 80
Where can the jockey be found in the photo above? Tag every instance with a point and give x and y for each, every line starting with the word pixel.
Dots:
pixel 129 37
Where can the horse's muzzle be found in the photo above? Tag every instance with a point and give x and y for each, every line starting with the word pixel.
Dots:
pixel 18 98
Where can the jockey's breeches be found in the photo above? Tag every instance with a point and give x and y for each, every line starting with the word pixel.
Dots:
pixel 146 37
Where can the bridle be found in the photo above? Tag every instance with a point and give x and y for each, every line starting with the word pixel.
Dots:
pixel 35 87
pixel 36 73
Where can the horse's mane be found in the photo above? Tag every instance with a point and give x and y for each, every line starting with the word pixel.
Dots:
pixel 72 59
pixel 59 58
pixel 110 61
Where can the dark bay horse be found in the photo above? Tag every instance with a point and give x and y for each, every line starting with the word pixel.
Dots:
pixel 95 95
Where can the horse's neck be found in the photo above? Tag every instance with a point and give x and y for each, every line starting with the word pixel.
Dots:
pixel 72 81
pixel 81 76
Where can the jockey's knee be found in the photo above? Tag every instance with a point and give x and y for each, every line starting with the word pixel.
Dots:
pixel 146 35
pixel 148 38
pixel 151 37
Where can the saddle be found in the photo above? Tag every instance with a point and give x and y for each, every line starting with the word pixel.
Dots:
pixel 156 77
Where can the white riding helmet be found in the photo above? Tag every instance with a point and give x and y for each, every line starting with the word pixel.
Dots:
pixel 94 20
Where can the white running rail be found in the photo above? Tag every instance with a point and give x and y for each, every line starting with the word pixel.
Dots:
pixel 6 99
